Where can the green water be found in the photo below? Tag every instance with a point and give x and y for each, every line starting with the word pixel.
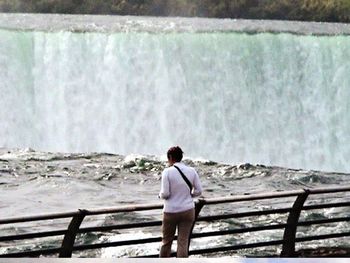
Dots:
pixel 276 99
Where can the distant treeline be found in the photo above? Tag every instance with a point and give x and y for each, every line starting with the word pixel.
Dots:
pixel 307 10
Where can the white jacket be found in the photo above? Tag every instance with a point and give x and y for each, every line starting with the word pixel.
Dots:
pixel 175 191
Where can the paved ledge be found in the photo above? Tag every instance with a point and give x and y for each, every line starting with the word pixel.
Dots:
pixel 110 24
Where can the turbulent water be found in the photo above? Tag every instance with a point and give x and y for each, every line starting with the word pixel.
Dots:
pixel 138 86
pixel 38 182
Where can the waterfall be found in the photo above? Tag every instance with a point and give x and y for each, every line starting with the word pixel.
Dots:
pixel 274 99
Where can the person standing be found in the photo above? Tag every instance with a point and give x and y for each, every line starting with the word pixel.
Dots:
pixel 179 184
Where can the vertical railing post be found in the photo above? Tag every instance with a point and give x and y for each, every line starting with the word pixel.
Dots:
pixel 69 237
pixel 288 248
pixel 198 207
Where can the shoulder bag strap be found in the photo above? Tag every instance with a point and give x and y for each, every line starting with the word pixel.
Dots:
pixel 185 178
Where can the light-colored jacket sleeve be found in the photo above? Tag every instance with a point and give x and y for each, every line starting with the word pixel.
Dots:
pixel 165 186
pixel 197 186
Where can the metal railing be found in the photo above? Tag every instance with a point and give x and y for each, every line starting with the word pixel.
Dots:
pixel 287 243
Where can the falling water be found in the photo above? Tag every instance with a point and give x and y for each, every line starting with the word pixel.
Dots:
pixel 270 98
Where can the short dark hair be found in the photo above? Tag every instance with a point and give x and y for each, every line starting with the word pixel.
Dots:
pixel 176 153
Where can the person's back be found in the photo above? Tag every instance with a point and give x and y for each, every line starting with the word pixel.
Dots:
pixel 180 198
pixel 178 211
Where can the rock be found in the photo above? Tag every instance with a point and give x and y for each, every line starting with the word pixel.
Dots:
pixel 245 166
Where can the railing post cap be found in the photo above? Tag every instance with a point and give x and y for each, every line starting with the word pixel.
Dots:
pixel 307 190
pixel 83 211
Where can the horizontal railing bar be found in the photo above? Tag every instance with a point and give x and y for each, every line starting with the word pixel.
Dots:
pixel 117 243
pixel 156 223
pixel 323 221
pixel 236 247
pixel 37 218
pixel 330 205
pixel 135 225
pixel 128 208
pixel 106 228
pixel 244 214
pixel 115 227
pixel 237 231
pixel 249 197
pixel 33 253
pixel 328 190
pixel 172 254
pixel 226 248
pixel 142 207
pixel 33 235
pixel 120 209
pixel 312 238
pixel 103 228
pixel 158 239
